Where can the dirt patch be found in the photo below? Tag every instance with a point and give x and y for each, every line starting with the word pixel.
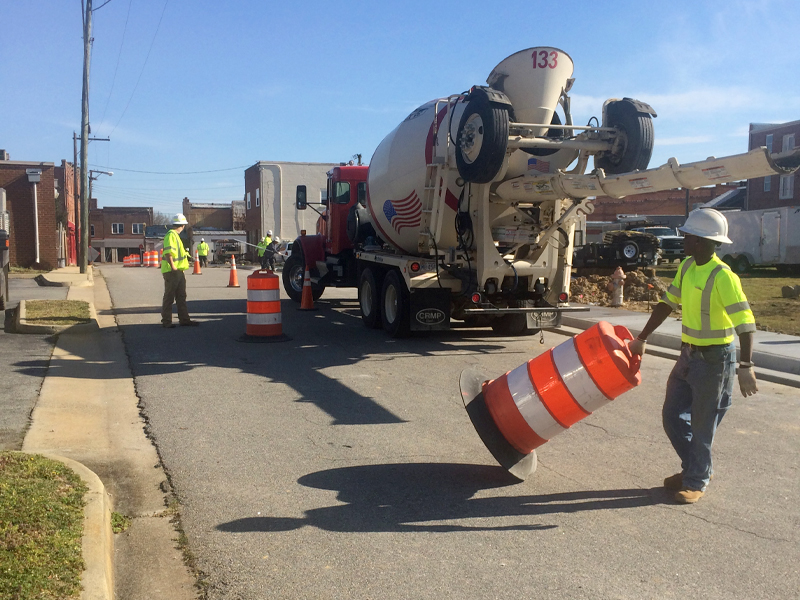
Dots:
pixel 641 291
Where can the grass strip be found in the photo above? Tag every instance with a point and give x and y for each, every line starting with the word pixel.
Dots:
pixel 41 524
pixel 56 312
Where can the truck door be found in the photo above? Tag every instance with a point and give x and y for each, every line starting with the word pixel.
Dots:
pixel 771 237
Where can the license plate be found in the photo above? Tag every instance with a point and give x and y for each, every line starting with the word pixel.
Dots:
pixel 428 265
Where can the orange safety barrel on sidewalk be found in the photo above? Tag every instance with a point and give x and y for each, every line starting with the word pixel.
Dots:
pixel 264 323
pixel 524 408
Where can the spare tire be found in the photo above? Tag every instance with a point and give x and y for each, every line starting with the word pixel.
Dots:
pixel 359 227
pixel 634 145
pixel 482 138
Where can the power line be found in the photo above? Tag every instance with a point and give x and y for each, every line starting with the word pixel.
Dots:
pixel 119 55
pixel 143 66
pixel 176 172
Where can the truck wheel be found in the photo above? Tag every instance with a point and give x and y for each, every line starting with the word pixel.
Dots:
pixel 513 324
pixel 636 139
pixel 395 305
pixel 742 265
pixel 369 299
pixel 482 139
pixel 293 275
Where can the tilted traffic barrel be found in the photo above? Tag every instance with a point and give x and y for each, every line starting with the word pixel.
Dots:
pixel 524 408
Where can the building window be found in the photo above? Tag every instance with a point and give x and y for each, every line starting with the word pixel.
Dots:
pixel 258 197
pixel 91 230
pixel 768 143
pixel 787 187
pixel 767 184
pixel 323 196
pixel 788 142
pixel 137 228
pixel 248 200
pixel 117 228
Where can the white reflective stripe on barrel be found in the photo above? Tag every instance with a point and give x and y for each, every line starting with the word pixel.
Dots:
pixel 530 405
pixel 263 318
pixel 576 377
pixel 263 295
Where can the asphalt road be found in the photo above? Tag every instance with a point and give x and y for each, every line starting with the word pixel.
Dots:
pixel 23 364
pixel 342 464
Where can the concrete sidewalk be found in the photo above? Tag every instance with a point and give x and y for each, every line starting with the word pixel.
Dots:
pixel 776 356
pixel 88 412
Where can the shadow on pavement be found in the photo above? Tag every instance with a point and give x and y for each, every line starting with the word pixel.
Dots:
pixel 319 340
pixel 408 497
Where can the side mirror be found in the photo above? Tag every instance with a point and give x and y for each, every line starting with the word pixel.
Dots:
pixel 300 198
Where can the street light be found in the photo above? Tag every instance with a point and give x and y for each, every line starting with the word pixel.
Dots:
pixel 92 177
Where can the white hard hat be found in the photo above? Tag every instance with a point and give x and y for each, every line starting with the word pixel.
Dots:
pixel 707 223
pixel 179 219
pixel 202 239
pixel 269 232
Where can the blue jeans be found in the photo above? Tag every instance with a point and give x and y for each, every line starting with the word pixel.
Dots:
pixel 699 393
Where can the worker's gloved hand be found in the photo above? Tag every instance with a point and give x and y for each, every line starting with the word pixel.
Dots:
pixel 637 346
pixel 747 381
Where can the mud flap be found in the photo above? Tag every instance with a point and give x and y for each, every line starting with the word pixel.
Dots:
pixel 430 309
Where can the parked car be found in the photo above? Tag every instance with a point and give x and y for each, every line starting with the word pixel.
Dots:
pixel 627 249
pixel 670 241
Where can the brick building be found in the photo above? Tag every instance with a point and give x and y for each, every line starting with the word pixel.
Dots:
pixel 670 202
pixel 26 223
pixel 270 197
pixel 777 190
pixel 67 220
pixel 208 215
pixel 117 231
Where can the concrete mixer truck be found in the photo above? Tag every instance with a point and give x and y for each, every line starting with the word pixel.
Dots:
pixel 467 210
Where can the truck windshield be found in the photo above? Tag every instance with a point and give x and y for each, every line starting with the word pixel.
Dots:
pixel 362 193
pixel 341 192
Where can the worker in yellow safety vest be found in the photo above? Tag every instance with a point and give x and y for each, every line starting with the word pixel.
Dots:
pixel 700 387
pixel 265 255
pixel 174 262
pixel 202 252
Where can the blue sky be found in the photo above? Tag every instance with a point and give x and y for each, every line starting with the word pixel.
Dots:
pixel 200 85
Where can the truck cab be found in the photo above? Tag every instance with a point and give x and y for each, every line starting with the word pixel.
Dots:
pixel 347 192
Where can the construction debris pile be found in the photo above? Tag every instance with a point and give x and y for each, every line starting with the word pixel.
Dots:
pixel 641 288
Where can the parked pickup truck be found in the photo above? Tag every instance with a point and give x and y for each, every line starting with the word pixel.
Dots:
pixel 670 242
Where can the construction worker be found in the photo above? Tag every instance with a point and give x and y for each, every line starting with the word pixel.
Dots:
pixel 202 252
pixel 266 257
pixel 700 386
pixel 173 264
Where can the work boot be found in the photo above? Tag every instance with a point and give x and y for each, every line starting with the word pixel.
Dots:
pixel 674 482
pixel 189 323
pixel 686 496
pixel 168 325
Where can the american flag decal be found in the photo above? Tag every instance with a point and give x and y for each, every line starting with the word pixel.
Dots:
pixel 537 164
pixel 403 213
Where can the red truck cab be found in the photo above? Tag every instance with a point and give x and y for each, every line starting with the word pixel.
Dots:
pixel 347 185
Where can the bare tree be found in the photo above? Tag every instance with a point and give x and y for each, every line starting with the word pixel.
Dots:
pixel 160 218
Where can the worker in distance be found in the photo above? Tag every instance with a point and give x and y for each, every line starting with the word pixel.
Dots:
pixel 700 386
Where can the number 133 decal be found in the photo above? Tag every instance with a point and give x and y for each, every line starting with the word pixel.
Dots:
pixel 542 59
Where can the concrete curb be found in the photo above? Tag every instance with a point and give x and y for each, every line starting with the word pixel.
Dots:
pixel 769 367
pixel 55 279
pixel 21 324
pixel 97 543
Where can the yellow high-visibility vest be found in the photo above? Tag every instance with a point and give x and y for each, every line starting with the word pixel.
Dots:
pixel 714 305
pixel 202 249
pixel 174 246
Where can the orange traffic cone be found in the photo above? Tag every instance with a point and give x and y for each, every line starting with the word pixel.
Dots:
pixel 197 270
pixel 307 299
pixel 234 280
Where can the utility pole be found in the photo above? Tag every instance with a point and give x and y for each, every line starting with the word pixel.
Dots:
pixel 87 57
pixel 76 194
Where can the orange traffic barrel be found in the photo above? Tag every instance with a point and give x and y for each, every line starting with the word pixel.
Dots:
pixel 524 408
pixel 264 323
pixel 153 260
pixel 136 260
pixel 126 261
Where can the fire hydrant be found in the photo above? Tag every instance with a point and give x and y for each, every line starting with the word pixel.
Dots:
pixel 615 286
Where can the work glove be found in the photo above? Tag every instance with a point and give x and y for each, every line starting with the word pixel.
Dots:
pixel 637 346
pixel 747 381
